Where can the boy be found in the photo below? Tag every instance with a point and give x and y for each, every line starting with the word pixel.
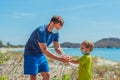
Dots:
pixel 85 62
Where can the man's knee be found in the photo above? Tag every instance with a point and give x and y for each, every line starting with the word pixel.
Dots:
pixel 48 75
pixel 33 77
pixel 45 75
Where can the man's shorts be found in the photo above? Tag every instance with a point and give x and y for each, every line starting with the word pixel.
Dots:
pixel 35 64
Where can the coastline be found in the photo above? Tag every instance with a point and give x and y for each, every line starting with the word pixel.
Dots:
pixel 4 50
pixel 21 50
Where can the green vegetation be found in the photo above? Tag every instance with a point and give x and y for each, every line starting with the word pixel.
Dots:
pixel 4 58
pixel 9 45
pixel 1 44
pixel 65 77
pixel 3 77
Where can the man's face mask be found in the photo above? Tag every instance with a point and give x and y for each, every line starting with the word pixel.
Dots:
pixel 54 30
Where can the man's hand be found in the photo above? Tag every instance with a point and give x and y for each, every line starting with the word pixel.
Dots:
pixel 59 51
pixel 66 57
pixel 62 59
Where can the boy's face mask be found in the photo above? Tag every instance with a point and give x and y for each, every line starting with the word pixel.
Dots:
pixel 83 52
pixel 54 30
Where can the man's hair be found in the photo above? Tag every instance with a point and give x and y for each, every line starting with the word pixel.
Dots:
pixel 57 19
pixel 88 44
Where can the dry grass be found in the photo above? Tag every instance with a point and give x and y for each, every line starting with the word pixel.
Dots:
pixel 13 69
pixel 105 72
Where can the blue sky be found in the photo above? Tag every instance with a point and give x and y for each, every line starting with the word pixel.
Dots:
pixel 84 19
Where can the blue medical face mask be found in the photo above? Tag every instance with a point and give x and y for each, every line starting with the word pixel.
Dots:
pixel 54 30
pixel 83 52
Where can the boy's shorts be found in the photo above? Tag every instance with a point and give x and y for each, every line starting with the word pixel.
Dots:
pixel 35 64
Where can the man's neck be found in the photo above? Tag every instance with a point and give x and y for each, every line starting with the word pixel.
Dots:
pixel 49 28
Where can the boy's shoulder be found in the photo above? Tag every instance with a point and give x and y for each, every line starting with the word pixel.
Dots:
pixel 85 57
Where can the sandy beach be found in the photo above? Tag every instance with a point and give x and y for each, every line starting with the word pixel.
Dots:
pixel 103 69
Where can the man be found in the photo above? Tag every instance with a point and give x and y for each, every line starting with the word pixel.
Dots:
pixel 36 49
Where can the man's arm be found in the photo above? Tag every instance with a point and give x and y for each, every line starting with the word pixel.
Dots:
pixel 57 48
pixel 45 50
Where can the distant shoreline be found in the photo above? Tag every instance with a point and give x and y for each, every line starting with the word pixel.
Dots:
pixel 10 49
pixel 21 50
pixel 15 49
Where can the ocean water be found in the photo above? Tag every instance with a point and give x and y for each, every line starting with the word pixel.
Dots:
pixel 108 53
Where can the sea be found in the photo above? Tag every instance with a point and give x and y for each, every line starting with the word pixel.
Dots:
pixel 107 53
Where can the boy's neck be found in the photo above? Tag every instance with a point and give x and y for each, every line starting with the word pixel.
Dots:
pixel 87 53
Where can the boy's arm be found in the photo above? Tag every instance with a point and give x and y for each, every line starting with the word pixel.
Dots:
pixel 74 61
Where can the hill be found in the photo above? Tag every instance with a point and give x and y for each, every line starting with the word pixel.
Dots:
pixel 103 43
pixel 70 45
pixel 108 42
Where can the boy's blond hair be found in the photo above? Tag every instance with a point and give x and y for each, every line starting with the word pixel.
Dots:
pixel 88 44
